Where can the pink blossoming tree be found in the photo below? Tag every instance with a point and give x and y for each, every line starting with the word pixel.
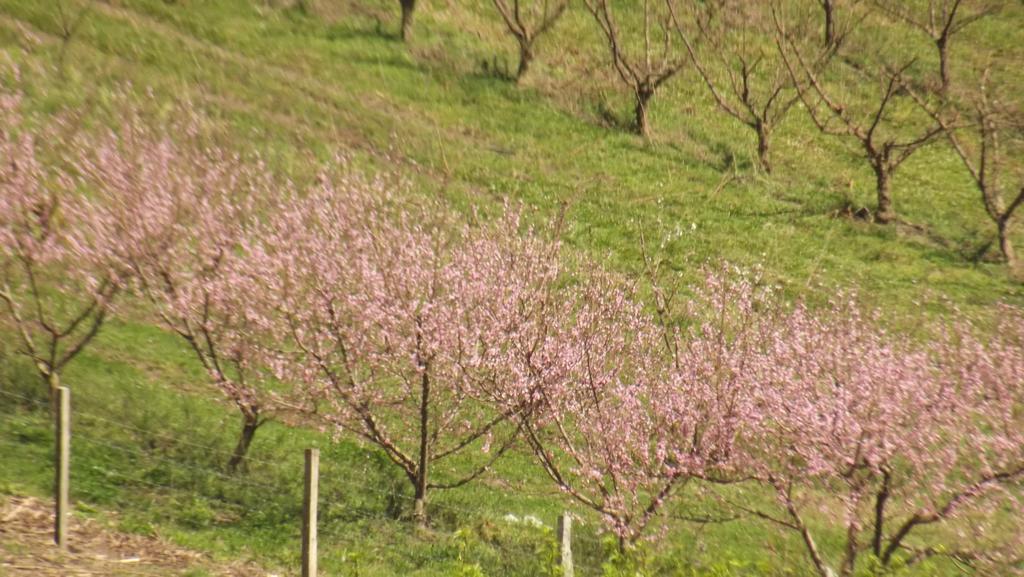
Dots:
pixel 67 240
pixel 371 305
pixel 192 278
pixel 912 450
pixel 128 208
pixel 625 408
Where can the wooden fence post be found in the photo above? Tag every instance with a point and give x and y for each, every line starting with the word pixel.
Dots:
pixel 565 544
pixel 62 465
pixel 309 500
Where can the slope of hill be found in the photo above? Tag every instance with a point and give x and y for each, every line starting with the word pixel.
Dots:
pixel 299 87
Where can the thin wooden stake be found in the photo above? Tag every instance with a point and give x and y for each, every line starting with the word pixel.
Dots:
pixel 565 543
pixel 63 467
pixel 309 500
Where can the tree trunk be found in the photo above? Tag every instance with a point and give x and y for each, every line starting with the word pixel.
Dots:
pixel 525 58
pixel 830 23
pixel 879 529
pixel 1005 244
pixel 885 213
pixel 943 47
pixel 420 504
pixel 763 142
pixel 643 97
pixel 250 422
pixel 53 384
pixel 419 511
pixel 408 9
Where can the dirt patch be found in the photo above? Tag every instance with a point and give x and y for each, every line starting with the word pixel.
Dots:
pixel 27 549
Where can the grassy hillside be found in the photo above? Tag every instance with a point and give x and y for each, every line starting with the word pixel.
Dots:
pixel 299 87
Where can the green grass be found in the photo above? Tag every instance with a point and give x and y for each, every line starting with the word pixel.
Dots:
pixel 155 453
pixel 300 87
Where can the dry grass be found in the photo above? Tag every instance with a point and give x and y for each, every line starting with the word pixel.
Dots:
pixel 27 549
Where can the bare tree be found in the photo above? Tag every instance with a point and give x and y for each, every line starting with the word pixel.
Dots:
pixel 748 81
pixel 408 10
pixel 69 22
pixel 941 21
pixel 884 144
pixel 646 72
pixel 835 27
pixel 981 146
pixel 526 21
